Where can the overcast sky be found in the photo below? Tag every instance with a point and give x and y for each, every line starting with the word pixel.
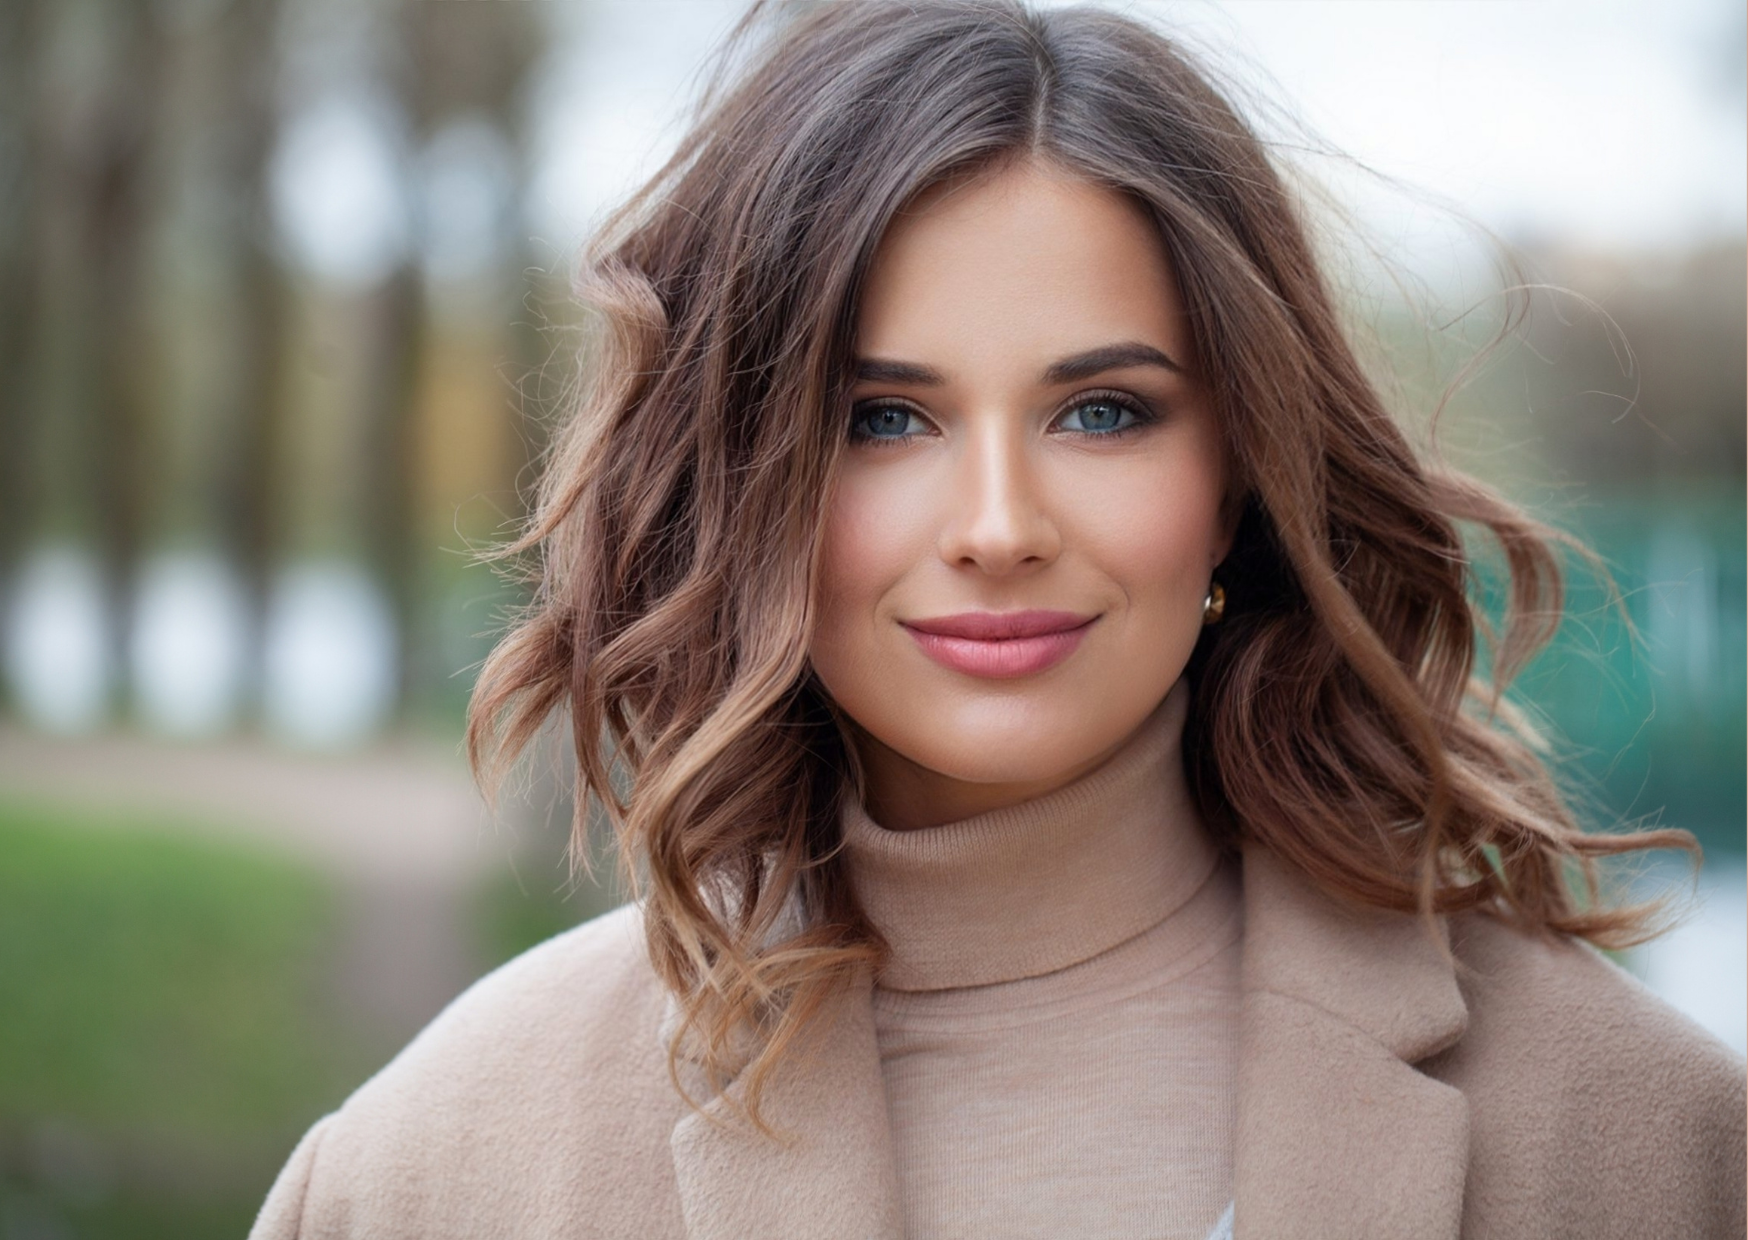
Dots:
pixel 1610 125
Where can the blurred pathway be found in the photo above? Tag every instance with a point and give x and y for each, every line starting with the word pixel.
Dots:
pixel 400 826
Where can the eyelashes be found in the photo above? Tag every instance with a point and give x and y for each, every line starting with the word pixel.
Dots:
pixel 883 421
pixel 886 421
pixel 1137 413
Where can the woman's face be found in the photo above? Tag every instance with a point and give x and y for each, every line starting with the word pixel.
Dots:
pixel 1032 502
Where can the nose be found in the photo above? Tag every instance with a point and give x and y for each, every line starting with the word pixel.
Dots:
pixel 997 519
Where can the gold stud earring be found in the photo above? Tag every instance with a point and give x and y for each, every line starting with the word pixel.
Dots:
pixel 1214 606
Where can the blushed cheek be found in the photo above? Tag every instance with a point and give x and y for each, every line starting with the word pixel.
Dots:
pixel 870 543
pixel 1157 542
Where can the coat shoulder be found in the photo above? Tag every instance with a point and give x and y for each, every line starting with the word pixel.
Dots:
pixel 1593 1103
pixel 538 1097
pixel 1562 1000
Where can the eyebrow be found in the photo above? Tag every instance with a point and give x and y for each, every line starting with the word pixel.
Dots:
pixel 1068 370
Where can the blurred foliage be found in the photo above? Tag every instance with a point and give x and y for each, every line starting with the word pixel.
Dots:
pixel 166 1033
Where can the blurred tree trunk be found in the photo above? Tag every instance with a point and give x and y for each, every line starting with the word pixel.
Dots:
pixel 22 245
pixel 118 397
pixel 454 62
pixel 248 489
pixel 391 401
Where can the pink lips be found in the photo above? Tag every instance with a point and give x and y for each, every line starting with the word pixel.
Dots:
pixel 1000 644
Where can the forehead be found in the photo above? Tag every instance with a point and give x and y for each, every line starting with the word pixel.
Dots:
pixel 1025 262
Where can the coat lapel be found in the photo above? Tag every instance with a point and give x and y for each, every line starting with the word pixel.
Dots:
pixel 1338 1134
pixel 833 1175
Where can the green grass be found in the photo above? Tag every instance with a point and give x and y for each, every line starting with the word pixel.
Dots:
pixel 163 1019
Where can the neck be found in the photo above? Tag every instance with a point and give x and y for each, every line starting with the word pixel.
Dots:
pixel 1040 884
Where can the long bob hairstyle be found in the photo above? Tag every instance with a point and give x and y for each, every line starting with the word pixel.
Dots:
pixel 1338 718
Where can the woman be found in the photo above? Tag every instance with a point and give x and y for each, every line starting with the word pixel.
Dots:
pixel 1030 677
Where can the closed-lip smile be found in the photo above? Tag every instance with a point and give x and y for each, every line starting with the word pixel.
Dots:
pixel 1000 644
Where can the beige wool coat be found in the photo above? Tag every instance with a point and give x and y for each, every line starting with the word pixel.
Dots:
pixel 1536 1091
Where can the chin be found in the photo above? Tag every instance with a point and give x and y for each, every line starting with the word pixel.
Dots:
pixel 1016 763
pixel 1018 739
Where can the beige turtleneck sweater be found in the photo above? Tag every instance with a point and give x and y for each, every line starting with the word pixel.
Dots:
pixel 1058 1023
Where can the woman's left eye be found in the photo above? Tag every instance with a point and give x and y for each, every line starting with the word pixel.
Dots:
pixel 1100 415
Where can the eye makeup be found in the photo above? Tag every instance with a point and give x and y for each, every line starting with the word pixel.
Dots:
pixel 890 420
pixel 1141 414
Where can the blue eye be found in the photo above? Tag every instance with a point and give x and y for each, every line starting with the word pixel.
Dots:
pixel 1100 415
pixel 884 422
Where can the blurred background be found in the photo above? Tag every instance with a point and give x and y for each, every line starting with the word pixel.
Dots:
pixel 283 324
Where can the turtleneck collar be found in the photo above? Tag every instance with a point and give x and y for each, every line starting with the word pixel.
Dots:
pixel 1039 886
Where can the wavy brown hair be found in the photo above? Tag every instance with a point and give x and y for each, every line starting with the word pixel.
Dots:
pixel 1338 719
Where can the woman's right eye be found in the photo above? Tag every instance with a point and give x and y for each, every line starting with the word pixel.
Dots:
pixel 885 422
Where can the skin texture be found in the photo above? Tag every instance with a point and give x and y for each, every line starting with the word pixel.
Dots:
pixel 996 490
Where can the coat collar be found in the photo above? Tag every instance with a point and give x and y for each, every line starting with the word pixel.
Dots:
pixel 1337 1134
pixel 833 1173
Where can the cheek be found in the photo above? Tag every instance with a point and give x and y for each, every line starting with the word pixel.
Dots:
pixel 875 532
pixel 1155 534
